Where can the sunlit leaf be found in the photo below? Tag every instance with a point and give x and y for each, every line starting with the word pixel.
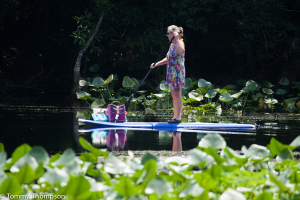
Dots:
pixel 114 165
pixel 231 194
pixel 109 79
pixel 78 187
pixel 213 140
pixel 25 160
pixel 40 154
pixel 225 97
pixel 271 101
pixel 26 174
pixel 193 190
pixel 163 86
pixel 1 147
pixel 20 152
pixel 196 157
pixel 54 176
pixel 85 144
pixel 265 196
pixel 205 84
pixel 267 91
pixel 83 83
pixel 126 188
pixel 82 95
pixel 211 94
pixel 196 96
pixel 11 186
pixel 158 186
pixel 237 95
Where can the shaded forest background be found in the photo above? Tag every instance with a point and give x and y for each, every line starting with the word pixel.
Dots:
pixel 226 40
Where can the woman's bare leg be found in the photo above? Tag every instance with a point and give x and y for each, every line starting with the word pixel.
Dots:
pixel 175 107
pixel 179 103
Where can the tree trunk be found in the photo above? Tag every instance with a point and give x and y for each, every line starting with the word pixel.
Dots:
pixel 77 76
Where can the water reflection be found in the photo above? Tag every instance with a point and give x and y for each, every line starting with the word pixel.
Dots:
pixel 113 140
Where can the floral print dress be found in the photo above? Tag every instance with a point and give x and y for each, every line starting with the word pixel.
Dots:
pixel 175 69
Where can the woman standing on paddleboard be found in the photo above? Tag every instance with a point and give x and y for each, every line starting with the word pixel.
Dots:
pixel 174 60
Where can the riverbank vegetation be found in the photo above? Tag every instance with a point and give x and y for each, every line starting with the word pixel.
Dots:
pixel 210 171
pixel 199 96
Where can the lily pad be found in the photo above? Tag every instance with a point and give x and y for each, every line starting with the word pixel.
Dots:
pixel 109 79
pixel 98 82
pixel 284 81
pixel 205 84
pixel 225 97
pixel 128 82
pixel 196 96
pixel 188 84
pixel 267 91
pixel 163 86
pixel 211 94
pixel 281 92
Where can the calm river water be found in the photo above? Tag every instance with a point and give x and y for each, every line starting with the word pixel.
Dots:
pixel 57 128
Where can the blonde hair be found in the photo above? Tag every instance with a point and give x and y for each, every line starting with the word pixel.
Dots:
pixel 177 29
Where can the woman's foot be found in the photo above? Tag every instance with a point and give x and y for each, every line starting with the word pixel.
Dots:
pixel 174 121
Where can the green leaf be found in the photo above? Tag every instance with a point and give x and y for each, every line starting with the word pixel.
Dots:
pixel 3 156
pixel 237 95
pixel 267 91
pixel 281 92
pixel 125 187
pixel 160 96
pixel 198 157
pixel 250 86
pixel 211 94
pixel 83 83
pixel 193 190
pixel 54 176
pixel 86 145
pixel 196 96
pixel 136 83
pixel 77 188
pixel 11 186
pixel 158 186
pixel 1 147
pixel 109 79
pixel 284 81
pixel 274 179
pixel 82 95
pixel 267 84
pixel 291 101
pixel 147 157
pixel 40 154
pixel 127 82
pixel 256 152
pixel 188 84
pixel 65 159
pixel 25 160
pixel 265 196
pixel 88 157
pixel 97 82
pixel 20 152
pixel 204 84
pixel 275 146
pixel 285 154
pixel 225 97
pixel 295 143
pixel 213 140
pixel 163 86
pixel 114 165
pixel 98 103
pixel 232 194
pixel 26 175
pixel 148 173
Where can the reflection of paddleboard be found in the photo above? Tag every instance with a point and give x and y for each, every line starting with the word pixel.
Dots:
pixel 164 129
pixel 171 125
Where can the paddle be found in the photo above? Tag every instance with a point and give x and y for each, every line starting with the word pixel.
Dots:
pixel 136 89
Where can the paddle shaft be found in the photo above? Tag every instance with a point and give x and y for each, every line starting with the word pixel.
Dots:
pixel 136 89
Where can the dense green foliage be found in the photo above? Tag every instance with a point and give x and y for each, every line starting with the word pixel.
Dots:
pixel 199 97
pixel 225 40
pixel 210 171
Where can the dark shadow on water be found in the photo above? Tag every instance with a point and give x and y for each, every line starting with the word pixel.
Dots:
pixel 57 128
